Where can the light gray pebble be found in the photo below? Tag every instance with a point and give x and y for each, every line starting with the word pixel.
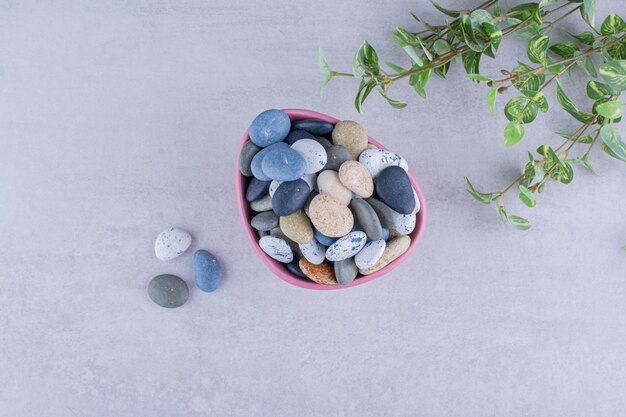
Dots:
pixel 264 221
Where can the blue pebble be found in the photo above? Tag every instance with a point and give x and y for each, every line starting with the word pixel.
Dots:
pixel 394 189
pixel 296 135
pixel 294 268
pixel 269 127
pixel 208 271
pixel 314 126
pixel 290 196
pixel 283 164
pixel 257 189
pixel 385 234
pixel 257 160
pixel 323 239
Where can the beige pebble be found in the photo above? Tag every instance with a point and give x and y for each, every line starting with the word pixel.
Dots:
pixel 356 178
pixel 323 273
pixel 297 227
pixel 351 135
pixel 394 249
pixel 330 217
pixel 328 182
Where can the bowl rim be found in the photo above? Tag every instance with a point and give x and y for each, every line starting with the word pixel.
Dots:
pixel 279 269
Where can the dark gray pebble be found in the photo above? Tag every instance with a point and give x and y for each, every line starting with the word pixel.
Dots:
pixel 257 189
pixel 168 291
pixel 346 271
pixel 337 155
pixel 245 158
pixel 294 268
pixel 367 218
pixel 296 135
pixel 314 126
pixel 290 196
pixel 393 187
pixel 324 142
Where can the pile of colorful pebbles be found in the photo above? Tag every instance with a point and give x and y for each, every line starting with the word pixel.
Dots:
pixel 327 203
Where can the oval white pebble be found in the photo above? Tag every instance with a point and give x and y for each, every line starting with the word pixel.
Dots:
pixel 370 254
pixel 273 186
pixel 404 223
pixel 375 160
pixel 171 243
pixel 313 153
pixel 346 247
pixel 276 248
pixel 313 251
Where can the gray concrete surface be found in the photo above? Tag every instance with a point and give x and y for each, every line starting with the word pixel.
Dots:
pixel 120 118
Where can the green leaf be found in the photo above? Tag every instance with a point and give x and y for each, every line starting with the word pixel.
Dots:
pixel 364 90
pixel 611 109
pixel 396 104
pixel 614 73
pixel 588 11
pixel 441 47
pixel 569 107
pixel 611 138
pixel 527 197
pixel 530 82
pixel 357 69
pixel 442 70
pixel 324 68
pixel 518 222
pixel 491 100
pixel 480 16
pixel 617 49
pixel 587 65
pixel 537 49
pixel 482 197
pixel 394 67
pixel 418 81
pixel 548 152
pixel 449 12
pixel 468 35
pixel 565 49
pixel 538 98
pixel 586 37
pixel 597 90
pixel 408 42
pixel 478 77
pixel 407 37
pixel 368 58
pixel 581 139
pixel 584 163
pixel 495 34
pixel 513 133
pixel 612 25
pixel 612 154
pixel 520 109
pixel 561 173
pixel 471 62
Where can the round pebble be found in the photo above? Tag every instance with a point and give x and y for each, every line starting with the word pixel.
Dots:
pixel 269 127
pixel 256 189
pixel 265 221
pixel 367 218
pixel 245 158
pixel 322 274
pixel 330 217
pixel 393 187
pixel 290 196
pixel 283 164
pixel 370 254
pixel 276 248
pixel 294 268
pixel 257 160
pixel 296 135
pixel 168 291
pixel 336 156
pixel 313 153
pixel 328 183
pixel 262 204
pixel 346 247
pixel 351 135
pixel 355 177
pixel 208 271
pixel 313 251
pixel 171 243
pixel 375 160
pixel 395 248
pixel 297 227
pixel 345 271
pixel 315 126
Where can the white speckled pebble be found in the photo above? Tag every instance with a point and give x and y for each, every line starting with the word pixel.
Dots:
pixel 313 153
pixel 171 243
pixel 404 223
pixel 276 248
pixel 273 186
pixel 313 251
pixel 370 254
pixel 346 247
pixel 375 160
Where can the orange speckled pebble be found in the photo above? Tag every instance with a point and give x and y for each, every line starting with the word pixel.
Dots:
pixel 323 273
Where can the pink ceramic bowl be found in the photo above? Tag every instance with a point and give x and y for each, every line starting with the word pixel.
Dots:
pixel 279 268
